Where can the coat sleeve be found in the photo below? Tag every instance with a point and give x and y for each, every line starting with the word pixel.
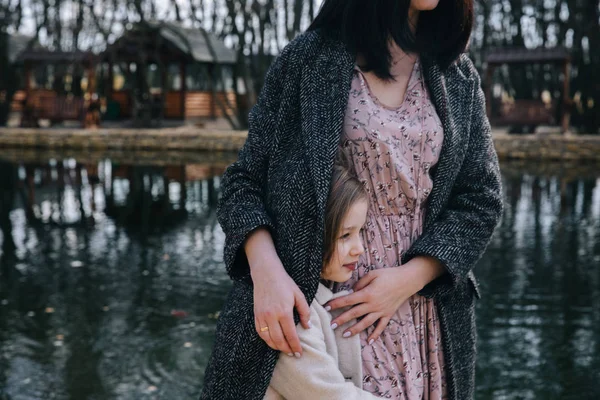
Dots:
pixel 460 235
pixel 241 208
pixel 316 374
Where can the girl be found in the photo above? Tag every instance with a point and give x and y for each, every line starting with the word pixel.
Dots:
pixel 389 81
pixel 330 367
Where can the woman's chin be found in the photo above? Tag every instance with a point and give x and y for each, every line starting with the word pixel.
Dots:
pixel 424 5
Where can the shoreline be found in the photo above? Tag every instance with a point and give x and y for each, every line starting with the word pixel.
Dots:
pixel 520 147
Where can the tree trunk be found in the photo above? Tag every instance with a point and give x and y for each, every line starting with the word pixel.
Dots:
pixel 8 83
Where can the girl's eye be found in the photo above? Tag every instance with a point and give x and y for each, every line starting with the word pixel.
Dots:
pixel 345 236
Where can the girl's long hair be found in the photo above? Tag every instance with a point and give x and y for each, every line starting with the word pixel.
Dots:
pixel 345 191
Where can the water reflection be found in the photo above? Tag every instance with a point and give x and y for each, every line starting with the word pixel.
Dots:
pixel 111 278
pixel 539 324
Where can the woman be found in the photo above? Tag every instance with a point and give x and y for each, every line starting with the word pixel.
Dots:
pixel 447 199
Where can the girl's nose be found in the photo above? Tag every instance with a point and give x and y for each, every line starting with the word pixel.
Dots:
pixel 358 248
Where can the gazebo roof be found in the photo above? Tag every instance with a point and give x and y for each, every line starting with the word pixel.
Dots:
pixel 511 55
pixel 196 43
pixel 45 55
pixel 25 48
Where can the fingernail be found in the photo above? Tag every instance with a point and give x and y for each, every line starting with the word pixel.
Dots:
pixel 347 334
pixel 327 308
pixel 350 291
pixel 297 355
pixel 371 341
pixel 309 324
pixel 290 354
pixel 334 325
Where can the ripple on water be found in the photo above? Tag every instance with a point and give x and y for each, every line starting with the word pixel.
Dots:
pixel 137 312
pixel 167 364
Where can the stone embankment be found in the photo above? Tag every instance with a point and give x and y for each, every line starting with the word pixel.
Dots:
pixel 548 147
pixel 124 139
pixel 525 147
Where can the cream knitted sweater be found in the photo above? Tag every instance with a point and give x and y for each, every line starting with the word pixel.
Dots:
pixel 330 367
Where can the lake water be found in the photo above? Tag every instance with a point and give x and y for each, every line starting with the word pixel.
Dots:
pixel 111 278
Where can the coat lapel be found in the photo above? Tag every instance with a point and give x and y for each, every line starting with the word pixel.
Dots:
pixel 450 109
pixel 324 95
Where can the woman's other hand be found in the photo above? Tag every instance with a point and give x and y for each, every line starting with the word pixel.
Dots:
pixel 275 296
pixel 378 295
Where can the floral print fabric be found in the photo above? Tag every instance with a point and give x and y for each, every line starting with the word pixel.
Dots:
pixel 393 151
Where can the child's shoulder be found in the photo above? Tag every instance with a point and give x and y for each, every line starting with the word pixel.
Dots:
pixel 318 315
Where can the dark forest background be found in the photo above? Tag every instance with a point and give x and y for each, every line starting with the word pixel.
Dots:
pixel 259 29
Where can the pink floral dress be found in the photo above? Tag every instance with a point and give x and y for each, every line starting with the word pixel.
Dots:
pixel 393 151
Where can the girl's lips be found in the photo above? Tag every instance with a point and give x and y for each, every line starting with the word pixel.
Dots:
pixel 351 266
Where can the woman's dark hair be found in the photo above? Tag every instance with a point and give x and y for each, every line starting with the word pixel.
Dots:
pixel 345 191
pixel 366 26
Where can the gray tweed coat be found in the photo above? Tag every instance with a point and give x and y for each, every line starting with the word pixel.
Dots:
pixel 281 181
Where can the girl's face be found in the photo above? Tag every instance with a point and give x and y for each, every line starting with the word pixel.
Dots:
pixel 423 5
pixel 349 245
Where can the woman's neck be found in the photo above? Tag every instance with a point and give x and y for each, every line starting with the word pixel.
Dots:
pixel 413 19
pixel 401 60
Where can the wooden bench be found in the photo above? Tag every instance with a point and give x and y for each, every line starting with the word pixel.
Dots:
pixel 45 104
pixel 525 113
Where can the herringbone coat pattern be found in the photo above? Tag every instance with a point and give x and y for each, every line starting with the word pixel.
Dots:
pixel 281 181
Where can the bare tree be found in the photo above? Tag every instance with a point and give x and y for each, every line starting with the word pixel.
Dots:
pixel 10 19
pixel 259 29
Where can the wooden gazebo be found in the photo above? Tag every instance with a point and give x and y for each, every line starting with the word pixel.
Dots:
pixel 55 103
pixel 170 70
pixel 529 112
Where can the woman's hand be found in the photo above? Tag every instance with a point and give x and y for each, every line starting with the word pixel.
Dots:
pixel 275 296
pixel 381 292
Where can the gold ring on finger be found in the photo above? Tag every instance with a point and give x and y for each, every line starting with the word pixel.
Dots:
pixel 264 329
